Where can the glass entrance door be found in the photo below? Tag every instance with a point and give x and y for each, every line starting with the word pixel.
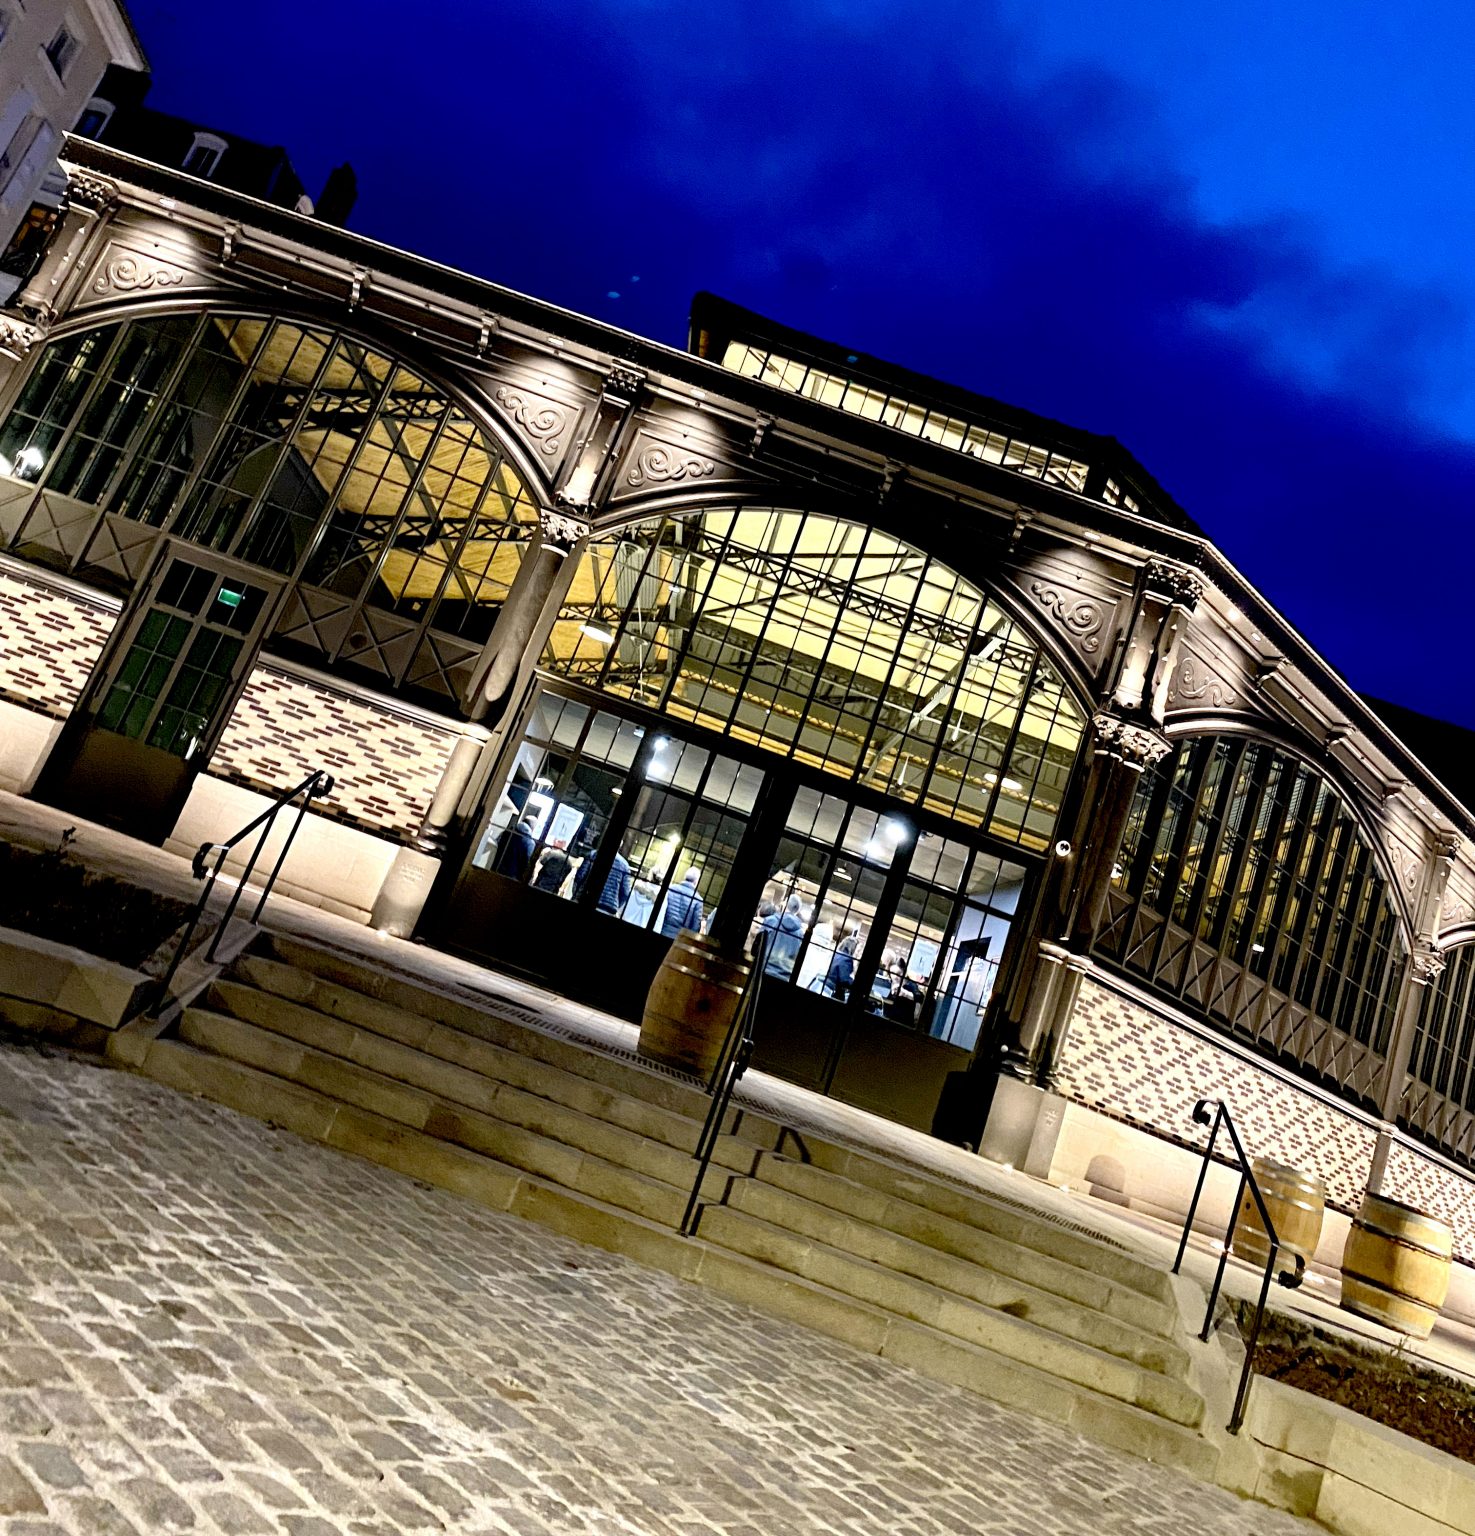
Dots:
pixel 161 694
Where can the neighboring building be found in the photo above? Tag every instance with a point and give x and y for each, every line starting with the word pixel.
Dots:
pixel 118 116
pixel 52 55
pixel 1020 770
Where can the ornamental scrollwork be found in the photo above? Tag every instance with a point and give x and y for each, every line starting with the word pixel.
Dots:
pixel 541 420
pixel 1407 866
pixel 1138 745
pixel 1083 617
pixel 1194 683
pixel 128 273
pixel 662 464
pixel 1458 911
pixel 1176 584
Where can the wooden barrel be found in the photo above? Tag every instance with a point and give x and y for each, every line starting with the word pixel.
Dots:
pixel 691 1004
pixel 1395 1267
pixel 1296 1202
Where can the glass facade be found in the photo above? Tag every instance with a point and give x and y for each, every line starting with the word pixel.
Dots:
pixel 289 446
pixel 1443 1054
pixel 990 442
pixel 676 846
pixel 1246 887
pixel 834 645
pixel 859 906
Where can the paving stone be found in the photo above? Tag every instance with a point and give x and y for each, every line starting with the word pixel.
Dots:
pixel 212 1326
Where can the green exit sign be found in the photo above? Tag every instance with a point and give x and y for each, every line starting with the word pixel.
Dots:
pixel 230 596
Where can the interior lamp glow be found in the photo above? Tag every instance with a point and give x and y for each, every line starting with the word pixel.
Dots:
pixel 594 632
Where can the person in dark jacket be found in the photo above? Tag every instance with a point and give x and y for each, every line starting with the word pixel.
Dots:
pixel 841 975
pixel 617 883
pixel 683 907
pixel 515 851
pixel 782 933
pixel 553 870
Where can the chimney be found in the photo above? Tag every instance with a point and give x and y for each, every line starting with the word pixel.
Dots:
pixel 340 192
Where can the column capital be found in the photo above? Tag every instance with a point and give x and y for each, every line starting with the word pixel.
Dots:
pixel 1425 964
pixel 562 527
pixel 1180 586
pixel 18 336
pixel 1139 746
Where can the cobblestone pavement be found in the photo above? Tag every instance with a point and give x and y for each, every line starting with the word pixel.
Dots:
pixel 208 1325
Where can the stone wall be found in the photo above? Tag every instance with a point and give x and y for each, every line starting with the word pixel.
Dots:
pixel 1131 1063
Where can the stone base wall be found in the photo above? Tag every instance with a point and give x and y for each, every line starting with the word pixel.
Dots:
pixel 1136 1065
pixel 386 758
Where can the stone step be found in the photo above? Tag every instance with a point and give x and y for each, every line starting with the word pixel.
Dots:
pixel 974 1207
pixel 352 988
pixel 585 1218
pixel 533 1151
pixel 465 1070
pixel 917 1261
pixel 863 1206
pixel 343 986
pixel 1001 1331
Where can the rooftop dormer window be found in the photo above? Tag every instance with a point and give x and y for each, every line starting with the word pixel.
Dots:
pixel 204 155
pixel 96 115
pixel 61 51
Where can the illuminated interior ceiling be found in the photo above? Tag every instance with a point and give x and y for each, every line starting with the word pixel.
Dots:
pixel 381 441
pixel 858 638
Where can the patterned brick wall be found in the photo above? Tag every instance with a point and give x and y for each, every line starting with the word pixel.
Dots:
pixel 1128 1062
pixel 49 642
pixel 385 765
pixel 1429 1186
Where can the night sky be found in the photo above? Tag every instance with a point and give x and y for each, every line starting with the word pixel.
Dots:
pixel 1239 239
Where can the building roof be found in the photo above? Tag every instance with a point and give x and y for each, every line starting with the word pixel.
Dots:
pixel 1441 745
pixel 717 322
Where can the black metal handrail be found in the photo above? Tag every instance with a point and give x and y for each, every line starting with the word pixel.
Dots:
pixel 313 787
pixel 1289 1279
pixel 732 1061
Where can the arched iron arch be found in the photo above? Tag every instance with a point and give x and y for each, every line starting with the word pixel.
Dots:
pixel 370 559
pixel 1249 891
pixel 676 503
pixel 471 391
pixel 833 641
pixel 1351 793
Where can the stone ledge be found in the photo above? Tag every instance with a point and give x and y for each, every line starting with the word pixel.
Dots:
pixel 55 979
pixel 1356 1476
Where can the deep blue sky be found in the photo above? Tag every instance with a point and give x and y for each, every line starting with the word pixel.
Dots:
pixel 1240 239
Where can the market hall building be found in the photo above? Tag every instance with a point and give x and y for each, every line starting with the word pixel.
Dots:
pixel 599 637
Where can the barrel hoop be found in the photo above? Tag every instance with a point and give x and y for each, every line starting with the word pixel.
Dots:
pixel 702 976
pixel 1403 1242
pixel 1272 1199
pixel 1389 1290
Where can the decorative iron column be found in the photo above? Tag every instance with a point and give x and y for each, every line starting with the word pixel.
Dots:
pixel 501 673
pixel 1032 1021
pixel 506 664
pixel 1072 900
pixel 1425 965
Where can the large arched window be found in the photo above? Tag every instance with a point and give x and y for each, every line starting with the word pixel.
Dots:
pixel 834 644
pixel 1441 1101
pixel 1247 890
pixel 285 444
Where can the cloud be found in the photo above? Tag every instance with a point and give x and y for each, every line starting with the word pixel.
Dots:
pixel 893 178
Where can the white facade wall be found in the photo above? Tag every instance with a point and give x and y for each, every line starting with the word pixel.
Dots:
pixel 38 105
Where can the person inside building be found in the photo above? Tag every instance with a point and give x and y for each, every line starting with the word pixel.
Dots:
pixel 820 951
pixel 617 883
pixel 642 900
pixel 682 907
pixel 784 932
pixel 515 851
pixel 841 975
pixel 553 869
